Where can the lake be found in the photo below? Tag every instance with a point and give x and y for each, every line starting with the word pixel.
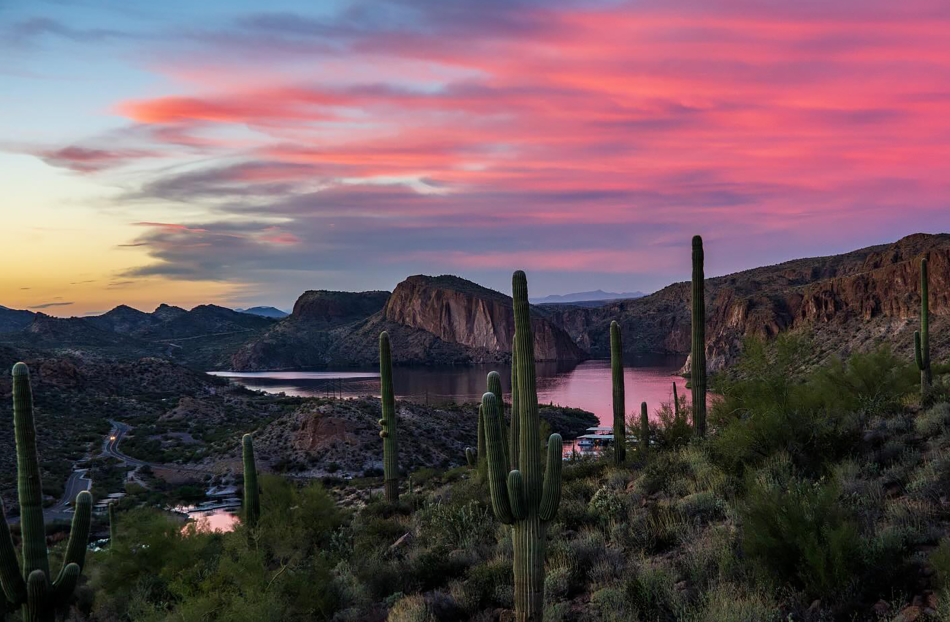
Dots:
pixel 586 385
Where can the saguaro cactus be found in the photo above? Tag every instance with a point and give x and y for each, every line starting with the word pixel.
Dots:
pixel 30 587
pixel 388 422
pixel 616 372
pixel 644 431
pixel 520 498
pixel 676 402
pixel 252 499
pixel 922 337
pixel 515 412
pixel 698 350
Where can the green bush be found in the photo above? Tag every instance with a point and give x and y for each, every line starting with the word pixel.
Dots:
pixel 798 531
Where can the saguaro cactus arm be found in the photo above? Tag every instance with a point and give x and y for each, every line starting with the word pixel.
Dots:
pixel 551 494
pixel 494 385
pixel 30 488
pixel 497 465
pixel 78 537
pixel 14 587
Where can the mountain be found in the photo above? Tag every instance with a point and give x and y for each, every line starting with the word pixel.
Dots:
pixel 271 312
pixel 14 319
pixel 205 336
pixel 845 302
pixel 596 296
pixel 430 320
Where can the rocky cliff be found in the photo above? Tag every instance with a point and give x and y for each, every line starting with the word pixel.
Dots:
pixel 461 312
pixel 846 302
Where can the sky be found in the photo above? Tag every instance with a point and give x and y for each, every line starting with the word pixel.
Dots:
pixel 239 153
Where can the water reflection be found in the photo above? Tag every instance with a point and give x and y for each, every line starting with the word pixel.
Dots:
pixel 586 385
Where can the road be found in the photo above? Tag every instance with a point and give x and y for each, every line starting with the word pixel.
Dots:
pixel 110 447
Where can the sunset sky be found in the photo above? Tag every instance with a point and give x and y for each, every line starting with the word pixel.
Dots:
pixel 241 152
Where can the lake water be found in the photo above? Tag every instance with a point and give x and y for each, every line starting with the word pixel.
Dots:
pixel 586 385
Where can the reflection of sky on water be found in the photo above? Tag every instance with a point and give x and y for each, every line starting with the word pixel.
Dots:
pixel 587 385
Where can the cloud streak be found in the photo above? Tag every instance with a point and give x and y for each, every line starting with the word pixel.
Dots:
pixel 560 137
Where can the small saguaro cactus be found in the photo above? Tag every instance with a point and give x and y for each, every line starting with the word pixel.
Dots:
pixel 520 498
pixel 471 458
pixel 252 499
pixel 698 349
pixel 30 587
pixel 922 337
pixel 388 422
pixel 616 373
pixel 644 431
pixel 676 402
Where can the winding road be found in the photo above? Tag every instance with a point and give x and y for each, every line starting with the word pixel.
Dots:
pixel 110 447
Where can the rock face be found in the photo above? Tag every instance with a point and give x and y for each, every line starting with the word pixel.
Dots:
pixel 846 302
pixel 459 311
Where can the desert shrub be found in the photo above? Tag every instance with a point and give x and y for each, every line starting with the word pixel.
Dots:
pixel 931 479
pixel 607 505
pixel 557 583
pixel 670 428
pixel 701 506
pixel 483 582
pixel 711 555
pixel 412 608
pixel 611 605
pixel 940 561
pixel 432 567
pixel 770 405
pixel 934 420
pixel 665 473
pixel 727 602
pixel 813 439
pixel 798 531
pixel 456 526
pixel 652 593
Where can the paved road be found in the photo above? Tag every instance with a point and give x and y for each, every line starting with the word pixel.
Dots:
pixel 110 447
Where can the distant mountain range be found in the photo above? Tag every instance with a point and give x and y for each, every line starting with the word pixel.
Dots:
pixel 846 302
pixel 589 298
pixel 273 312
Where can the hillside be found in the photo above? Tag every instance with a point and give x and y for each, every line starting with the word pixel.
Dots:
pixel 847 302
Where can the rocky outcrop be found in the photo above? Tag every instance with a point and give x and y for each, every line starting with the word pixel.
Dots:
pixel 459 311
pixel 326 308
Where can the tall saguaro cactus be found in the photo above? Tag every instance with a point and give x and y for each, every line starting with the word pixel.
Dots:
pixel 30 586
pixel 252 499
pixel 388 422
pixel 520 498
pixel 922 337
pixel 616 373
pixel 698 350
